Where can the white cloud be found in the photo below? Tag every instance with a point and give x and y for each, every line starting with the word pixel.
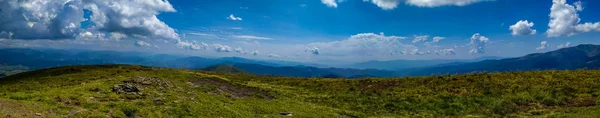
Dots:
pixel 578 5
pixel 274 56
pixel 438 39
pixel 231 17
pixel 386 4
pixel 368 44
pixel 238 50
pixel 566 45
pixel 222 48
pixel 523 27
pixel 202 34
pixel 192 45
pixel 255 52
pixel 435 40
pixel 420 38
pixel 437 3
pixel 564 20
pixel 60 19
pixel 478 44
pixel 392 4
pixel 142 44
pixel 329 3
pixel 251 37
pixel 445 52
pixel 544 45
pixel 116 36
pixel 313 50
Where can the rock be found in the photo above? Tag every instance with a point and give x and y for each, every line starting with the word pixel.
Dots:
pixel 38 114
pixel 157 100
pixel 126 88
pixel 150 81
pixel 285 113
pixel 73 113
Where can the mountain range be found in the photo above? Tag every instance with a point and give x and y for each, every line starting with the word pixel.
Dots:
pixel 578 57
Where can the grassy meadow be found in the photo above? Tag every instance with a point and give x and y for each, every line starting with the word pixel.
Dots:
pixel 136 91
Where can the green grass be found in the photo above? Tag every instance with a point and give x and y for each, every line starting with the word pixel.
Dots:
pixel 86 91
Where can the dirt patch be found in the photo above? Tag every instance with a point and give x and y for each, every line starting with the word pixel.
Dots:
pixel 68 101
pixel 135 84
pixel 12 109
pixel 222 86
pixel 381 85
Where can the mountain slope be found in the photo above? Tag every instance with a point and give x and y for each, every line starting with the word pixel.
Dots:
pixel 406 64
pixel 305 71
pixel 582 56
pixel 136 91
pixel 224 68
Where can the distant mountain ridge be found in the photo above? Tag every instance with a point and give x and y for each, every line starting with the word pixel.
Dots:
pixel 46 58
pixel 405 64
pixel 301 71
pixel 578 57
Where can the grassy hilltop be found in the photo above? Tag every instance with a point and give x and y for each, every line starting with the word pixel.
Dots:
pixel 136 91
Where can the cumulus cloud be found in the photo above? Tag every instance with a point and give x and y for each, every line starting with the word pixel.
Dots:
pixel 313 50
pixel 578 5
pixel 369 44
pixel 420 38
pixel 61 19
pixel 565 21
pixel 438 39
pixel 238 50
pixel 445 52
pixel 231 17
pixel 192 45
pixel 566 45
pixel 222 48
pixel 386 4
pixel 255 52
pixel 248 37
pixel 142 44
pixel 544 45
pixel 329 3
pixel 523 27
pixel 274 55
pixel 478 44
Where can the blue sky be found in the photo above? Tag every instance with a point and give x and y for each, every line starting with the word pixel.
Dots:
pixel 310 30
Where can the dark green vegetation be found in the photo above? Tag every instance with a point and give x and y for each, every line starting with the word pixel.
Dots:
pixel 135 91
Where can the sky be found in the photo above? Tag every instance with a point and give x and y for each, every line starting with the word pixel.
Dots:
pixel 317 31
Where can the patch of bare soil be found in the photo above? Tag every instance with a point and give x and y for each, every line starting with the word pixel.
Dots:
pixel 376 86
pixel 134 86
pixel 10 109
pixel 235 91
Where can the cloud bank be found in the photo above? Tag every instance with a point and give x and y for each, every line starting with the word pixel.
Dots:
pixel 62 19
